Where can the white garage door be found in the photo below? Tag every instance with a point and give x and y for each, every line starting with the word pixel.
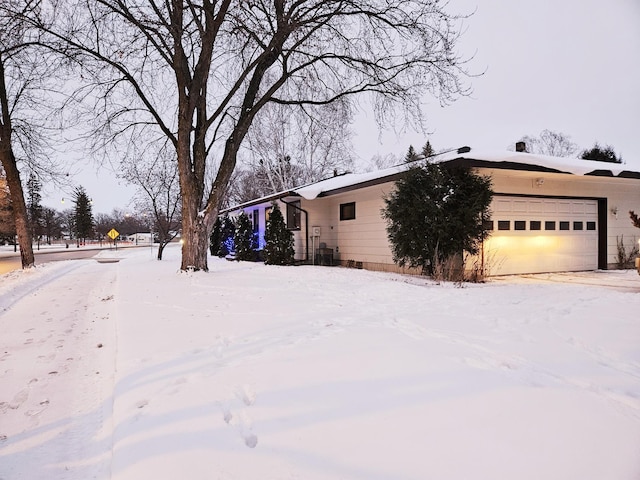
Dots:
pixel 537 235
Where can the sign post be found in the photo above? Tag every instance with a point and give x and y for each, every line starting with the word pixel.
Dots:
pixel 113 234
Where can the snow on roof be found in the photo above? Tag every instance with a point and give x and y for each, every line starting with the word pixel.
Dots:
pixel 313 190
pixel 497 159
pixel 573 166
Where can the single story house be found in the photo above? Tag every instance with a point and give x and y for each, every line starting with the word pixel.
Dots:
pixel 548 214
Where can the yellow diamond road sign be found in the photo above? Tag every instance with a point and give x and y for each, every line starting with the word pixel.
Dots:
pixel 113 234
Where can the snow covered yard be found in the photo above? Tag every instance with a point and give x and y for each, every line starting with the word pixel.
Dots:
pixel 131 370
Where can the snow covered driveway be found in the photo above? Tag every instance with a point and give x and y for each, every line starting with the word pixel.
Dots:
pixel 262 372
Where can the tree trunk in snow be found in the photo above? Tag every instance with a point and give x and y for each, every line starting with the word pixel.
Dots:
pixel 195 246
pixel 8 161
pixel 18 205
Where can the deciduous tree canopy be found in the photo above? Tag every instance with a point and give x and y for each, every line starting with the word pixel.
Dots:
pixel 199 72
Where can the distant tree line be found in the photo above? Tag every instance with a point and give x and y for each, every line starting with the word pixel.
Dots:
pixel 558 144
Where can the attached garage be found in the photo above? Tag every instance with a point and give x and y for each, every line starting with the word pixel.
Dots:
pixel 538 235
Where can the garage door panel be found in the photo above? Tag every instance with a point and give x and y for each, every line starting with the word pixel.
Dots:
pixel 534 250
pixel 520 206
pixel 591 209
pixel 536 206
pixel 565 207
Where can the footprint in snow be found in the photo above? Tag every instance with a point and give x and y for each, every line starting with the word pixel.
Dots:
pixel 246 394
pixel 19 398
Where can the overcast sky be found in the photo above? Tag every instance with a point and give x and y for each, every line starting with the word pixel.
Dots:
pixel 571 66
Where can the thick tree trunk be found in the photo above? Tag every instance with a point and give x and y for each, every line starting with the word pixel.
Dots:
pixel 18 205
pixel 195 246
pixel 8 161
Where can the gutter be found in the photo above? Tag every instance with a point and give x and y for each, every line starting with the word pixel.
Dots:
pixel 306 227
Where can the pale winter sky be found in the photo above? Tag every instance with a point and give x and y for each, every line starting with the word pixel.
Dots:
pixel 569 66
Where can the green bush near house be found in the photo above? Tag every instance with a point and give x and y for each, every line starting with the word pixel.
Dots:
pixel 244 240
pixel 435 214
pixel 221 239
pixel 279 240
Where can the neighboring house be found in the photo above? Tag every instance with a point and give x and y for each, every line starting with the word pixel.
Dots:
pixel 141 238
pixel 548 214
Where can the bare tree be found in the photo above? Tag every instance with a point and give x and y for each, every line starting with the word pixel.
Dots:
pixel 27 109
pixel 7 223
pixel 16 77
pixel 155 172
pixel 289 147
pixel 199 72
pixel 379 162
pixel 52 222
pixel 551 143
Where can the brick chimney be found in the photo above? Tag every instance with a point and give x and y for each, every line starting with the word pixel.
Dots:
pixel 521 147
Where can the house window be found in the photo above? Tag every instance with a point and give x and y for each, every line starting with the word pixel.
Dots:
pixel 348 211
pixel 256 219
pixel 504 225
pixel 519 225
pixel 564 225
pixel 549 225
pixel 267 214
pixel 591 225
pixel 535 225
pixel 487 225
pixel 577 225
pixel 293 215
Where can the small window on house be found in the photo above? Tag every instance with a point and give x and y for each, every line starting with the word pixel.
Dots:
pixel 293 215
pixel 578 226
pixel 267 214
pixel 519 225
pixel 348 211
pixel 504 225
pixel 591 225
pixel 487 225
pixel 535 225
pixel 564 225
pixel 549 225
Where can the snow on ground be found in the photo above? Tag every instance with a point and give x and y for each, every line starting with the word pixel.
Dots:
pixel 133 370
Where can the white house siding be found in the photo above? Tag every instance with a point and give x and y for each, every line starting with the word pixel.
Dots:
pixel 363 239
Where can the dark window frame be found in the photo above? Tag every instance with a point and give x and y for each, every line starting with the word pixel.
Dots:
pixel 504 225
pixel 348 211
pixel 293 215
pixel 255 219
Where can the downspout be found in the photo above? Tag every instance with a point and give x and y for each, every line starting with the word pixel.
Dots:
pixel 306 228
